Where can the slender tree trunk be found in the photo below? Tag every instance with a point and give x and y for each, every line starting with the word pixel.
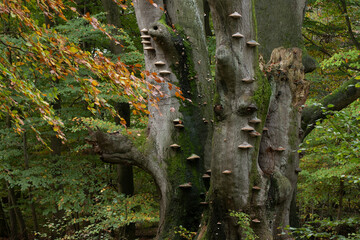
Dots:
pixel 4 226
pixel 207 19
pixel 32 204
pixel 13 222
pixel 18 214
pixel 341 197
pixel 17 222
pixel 125 176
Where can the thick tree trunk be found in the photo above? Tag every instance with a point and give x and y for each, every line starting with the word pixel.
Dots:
pixel 252 170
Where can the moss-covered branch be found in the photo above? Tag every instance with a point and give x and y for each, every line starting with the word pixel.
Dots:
pixel 116 148
pixel 339 99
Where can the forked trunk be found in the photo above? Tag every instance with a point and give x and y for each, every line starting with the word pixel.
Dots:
pixel 239 126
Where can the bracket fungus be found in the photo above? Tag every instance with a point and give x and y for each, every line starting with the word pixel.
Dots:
pixel 164 72
pixel 208 171
pixel 245 145
pixel 255 134
pixel 145 36
pixel 235 15
pixel 237 35
pixel 247 109
pixel 145 42
pixel 159 63
pixel 186 185
pixel 297 170
pixel 279 149
pixel 256 188
pixel 175 146
pixel 193 157
pixel 177 121
pixel 227 172
pixel 265 129
pixel 179 126
pixel 255 120
pixel 248 80
pixel 204 203
pixel 248 129
pixel 206 176
pixel 144 30
pixel 255 220
pixel 252 43
pixel 149 48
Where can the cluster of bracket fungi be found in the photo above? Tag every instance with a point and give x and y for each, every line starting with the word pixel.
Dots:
pixel 148 47
pixel 178 124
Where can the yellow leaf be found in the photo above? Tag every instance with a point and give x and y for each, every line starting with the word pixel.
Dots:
pixel 94 83
pixel 73 50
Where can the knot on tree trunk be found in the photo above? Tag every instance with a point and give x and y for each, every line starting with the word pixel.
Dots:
pixel 286 65
pixel 165 38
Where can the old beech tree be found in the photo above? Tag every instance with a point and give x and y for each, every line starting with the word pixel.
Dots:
pixel 234 145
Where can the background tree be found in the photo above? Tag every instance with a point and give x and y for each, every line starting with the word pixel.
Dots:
pixel 71 194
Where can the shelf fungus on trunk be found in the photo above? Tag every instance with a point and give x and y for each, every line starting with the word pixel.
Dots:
pixel 179 126
pixel 149 48
pixel 252 43
pixel 248 129
pixel 177 121
pixel 235 15
pixel 279 149
pixel 237 35
pixel 159 63
pixel 193 157
pixel 164 72
pixel 255 134
pixel 145 36
pixel 204 203
pixel 145 42
pixel 255 220
pixel 248 80
pixel 245 145
pixel 144 30
pixel 186 185
pixel 205 121
pixel 175 146
pixel 227 172
pixel 255 120
pixel 256 188
pixel 205 176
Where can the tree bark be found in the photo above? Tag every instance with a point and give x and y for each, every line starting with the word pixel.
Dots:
pixel 4 227
pixel 32 204
pixel 17 214
pixel 125 176
pixel 243 124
